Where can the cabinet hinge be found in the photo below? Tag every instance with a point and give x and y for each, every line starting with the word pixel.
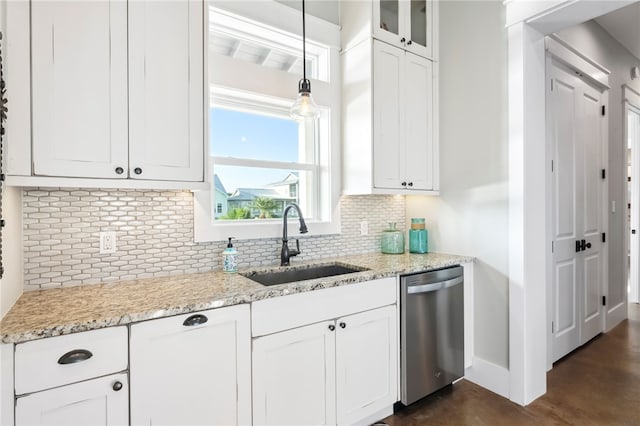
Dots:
pixel 604 174
pixel 551 246
pixel 552 327
pixel 604 300
pixel 551 166
pixel 603 110
pixel 552 85
pixel 604 237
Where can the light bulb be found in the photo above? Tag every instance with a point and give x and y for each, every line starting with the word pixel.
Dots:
pixel 304 107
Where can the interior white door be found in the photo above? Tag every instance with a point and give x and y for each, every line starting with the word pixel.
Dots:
pixel 294 376
pixel 591 139
pixel 574 127
pixel 633 136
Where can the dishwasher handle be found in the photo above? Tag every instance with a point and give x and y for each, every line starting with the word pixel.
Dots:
pixel 425 288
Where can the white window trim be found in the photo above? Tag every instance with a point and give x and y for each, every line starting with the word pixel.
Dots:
pixel 287 19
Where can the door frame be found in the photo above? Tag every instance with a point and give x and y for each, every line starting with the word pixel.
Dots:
pixel 527 23
pixel 596 75
pixel 631 101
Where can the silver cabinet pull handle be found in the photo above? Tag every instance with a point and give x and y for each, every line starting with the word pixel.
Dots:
pixel 76 355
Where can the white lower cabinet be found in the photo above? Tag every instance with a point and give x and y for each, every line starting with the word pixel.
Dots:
pixel 101 401
pixel 192 369
pixel 76 379
pixel 339 371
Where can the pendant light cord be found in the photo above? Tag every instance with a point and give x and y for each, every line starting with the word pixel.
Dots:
pixel 304 50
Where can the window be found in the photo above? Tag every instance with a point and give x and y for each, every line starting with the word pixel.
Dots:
pixel 260 159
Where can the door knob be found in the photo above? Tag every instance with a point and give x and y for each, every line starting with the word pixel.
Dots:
pixel 117 386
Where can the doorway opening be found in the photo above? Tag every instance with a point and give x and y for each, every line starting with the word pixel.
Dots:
pixel 632 130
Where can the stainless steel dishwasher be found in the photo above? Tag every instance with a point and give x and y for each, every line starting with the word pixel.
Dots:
pixel 431 331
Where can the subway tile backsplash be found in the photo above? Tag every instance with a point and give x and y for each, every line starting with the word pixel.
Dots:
pixel 154 232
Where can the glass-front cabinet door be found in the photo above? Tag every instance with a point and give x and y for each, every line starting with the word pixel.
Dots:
pixel 406 24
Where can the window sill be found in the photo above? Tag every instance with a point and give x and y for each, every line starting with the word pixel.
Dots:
pixel 205 230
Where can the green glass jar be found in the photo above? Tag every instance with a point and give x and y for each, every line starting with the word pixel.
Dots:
pixel 418 236
pixel 392 240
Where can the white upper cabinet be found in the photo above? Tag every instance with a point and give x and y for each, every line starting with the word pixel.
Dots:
pixel 117 92
pixel 79 84
pixel 405 23
pixel 411 25
pixel 166 90
pixel 389 135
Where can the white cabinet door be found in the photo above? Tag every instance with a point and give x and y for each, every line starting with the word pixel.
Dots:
pixel 79 88
pixel 166 92
pixel 294 377
pixel 419 27
pixel 388 111
pixel 418 122
pixel 366 364
pixel 102 401
pixel 192 369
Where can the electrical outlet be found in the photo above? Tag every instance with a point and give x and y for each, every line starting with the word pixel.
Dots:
pixel 364 227
pixel 107 242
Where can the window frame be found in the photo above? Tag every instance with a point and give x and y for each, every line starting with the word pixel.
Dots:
pixel 275 84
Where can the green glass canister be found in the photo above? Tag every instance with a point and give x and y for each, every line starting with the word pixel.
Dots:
pixel 418 236
pixel 392 240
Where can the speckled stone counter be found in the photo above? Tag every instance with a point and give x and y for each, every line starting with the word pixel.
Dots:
pixel 54 312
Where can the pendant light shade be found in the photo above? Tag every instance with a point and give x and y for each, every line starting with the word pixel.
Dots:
pixel 304 107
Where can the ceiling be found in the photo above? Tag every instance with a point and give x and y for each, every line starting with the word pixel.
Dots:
pixel 624 25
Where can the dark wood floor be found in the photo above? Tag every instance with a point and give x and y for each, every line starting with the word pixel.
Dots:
pixel 599 384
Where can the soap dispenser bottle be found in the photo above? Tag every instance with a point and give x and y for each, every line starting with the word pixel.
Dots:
pixel 230 258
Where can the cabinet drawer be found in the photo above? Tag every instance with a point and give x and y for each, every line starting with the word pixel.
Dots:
pixel 286 312
pixel 56 361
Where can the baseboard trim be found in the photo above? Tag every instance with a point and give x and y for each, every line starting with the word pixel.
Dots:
pixel 489 375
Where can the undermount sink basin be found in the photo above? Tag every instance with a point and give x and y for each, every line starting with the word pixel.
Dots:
pixel 302 274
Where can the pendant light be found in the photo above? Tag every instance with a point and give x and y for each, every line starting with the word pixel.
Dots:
pixel 304 107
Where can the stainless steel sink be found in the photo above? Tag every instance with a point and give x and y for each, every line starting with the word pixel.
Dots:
pixel 303 273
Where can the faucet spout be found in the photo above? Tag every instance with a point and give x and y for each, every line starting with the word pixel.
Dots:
pixel 286 253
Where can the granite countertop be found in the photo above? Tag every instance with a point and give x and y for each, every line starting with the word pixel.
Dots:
pixel 53 312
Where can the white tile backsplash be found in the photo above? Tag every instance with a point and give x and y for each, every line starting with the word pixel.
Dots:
pixel 155 235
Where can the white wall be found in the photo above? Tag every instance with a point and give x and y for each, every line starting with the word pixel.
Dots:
pixel 470 216
pixel 12 282
pixel 329 10
pixel 593 41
